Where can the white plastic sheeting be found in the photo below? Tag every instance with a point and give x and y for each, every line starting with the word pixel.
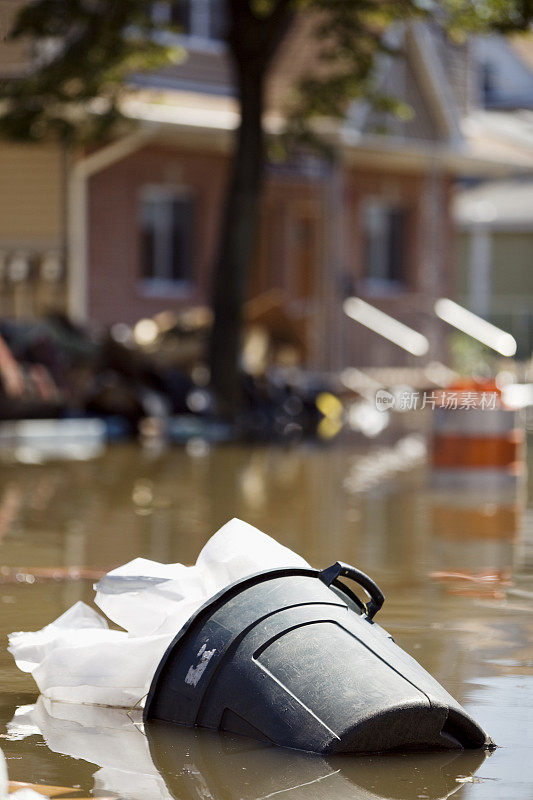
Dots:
pixel 79 659
pixel 103 736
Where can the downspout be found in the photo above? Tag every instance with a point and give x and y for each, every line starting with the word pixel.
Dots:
pixel 77 245
pixel 334 267
pixel 64 218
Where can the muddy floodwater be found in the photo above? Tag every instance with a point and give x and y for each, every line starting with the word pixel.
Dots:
pixel 454 557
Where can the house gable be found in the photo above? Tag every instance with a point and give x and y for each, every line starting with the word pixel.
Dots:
pixel 426 82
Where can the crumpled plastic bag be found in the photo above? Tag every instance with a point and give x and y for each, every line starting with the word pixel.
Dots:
pixel 146 597
pixel 79 659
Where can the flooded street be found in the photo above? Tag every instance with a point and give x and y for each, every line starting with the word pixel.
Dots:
pixel 455 563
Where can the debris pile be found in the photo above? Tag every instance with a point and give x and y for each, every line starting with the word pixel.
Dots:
pixel 151 378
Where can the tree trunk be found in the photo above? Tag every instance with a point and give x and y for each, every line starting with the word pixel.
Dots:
pixel 230 280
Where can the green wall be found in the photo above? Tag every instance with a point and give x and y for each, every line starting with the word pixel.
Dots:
pixel 511 276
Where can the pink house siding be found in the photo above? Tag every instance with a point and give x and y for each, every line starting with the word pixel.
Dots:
pixel 115 287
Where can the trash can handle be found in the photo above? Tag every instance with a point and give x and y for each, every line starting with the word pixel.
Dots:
pixel 340 569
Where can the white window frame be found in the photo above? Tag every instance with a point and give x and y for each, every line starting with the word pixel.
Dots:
pixel 374 285
pixel 155 286
pixel 198 37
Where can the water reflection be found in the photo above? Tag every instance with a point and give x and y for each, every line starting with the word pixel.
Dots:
pixel 39 441
pixel 324 502
pixel 169 762
pixel 166 505
pixel 375 507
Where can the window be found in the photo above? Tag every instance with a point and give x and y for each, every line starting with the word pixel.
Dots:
pixel 383 228
pixel 167 234
pixel 489 83
pixel 201 19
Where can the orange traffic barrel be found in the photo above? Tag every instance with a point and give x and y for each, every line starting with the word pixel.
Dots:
pixel 472 429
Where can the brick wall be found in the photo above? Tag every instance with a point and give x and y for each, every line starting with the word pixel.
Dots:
pixel 295 249
pixel 428 265
pixel 114 258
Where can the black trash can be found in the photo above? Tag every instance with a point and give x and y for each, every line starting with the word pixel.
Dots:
pixel 292 657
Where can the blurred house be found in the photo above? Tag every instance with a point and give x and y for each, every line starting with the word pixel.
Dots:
pixel 33 183
pixel 504 71
pixel 495 255
pixel 130 229
pixel 495 217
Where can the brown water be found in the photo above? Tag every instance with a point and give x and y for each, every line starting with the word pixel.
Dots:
pixel 377 509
